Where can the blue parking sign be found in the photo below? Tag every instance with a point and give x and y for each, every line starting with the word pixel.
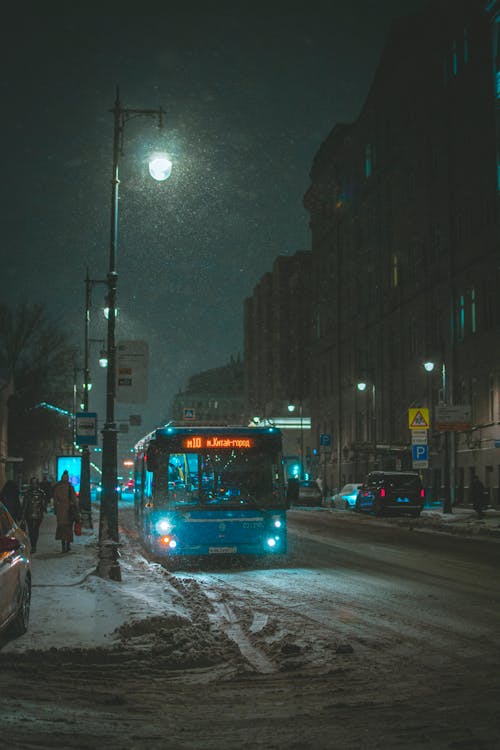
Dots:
pixel 325 439
pixel 420 453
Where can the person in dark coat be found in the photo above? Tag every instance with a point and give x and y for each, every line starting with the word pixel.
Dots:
pixel 46 486
pixel 33 510
pixel 476 494
pixel 66 510
pixel 10 498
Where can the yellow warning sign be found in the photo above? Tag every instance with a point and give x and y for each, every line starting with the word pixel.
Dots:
pixel 418 419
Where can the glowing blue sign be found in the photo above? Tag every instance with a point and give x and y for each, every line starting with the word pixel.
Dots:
pixel 73 465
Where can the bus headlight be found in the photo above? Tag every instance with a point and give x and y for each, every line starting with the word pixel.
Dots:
pixel 272 541
pixel 163 526
pixel 277 523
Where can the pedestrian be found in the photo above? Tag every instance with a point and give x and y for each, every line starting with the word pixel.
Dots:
pixel 10 498
pixel 476 495
pixel 66 510
pixel 46 486
pixel 33 510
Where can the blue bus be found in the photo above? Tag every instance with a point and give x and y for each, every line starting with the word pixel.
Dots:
pixel 211 491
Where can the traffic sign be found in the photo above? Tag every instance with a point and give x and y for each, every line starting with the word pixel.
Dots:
pixel 418 419
pixel 420 456
pixel 419 437
pixel 132 372
pixel 86 428
pixel 325 439
pixel 188 414
pixel 454 418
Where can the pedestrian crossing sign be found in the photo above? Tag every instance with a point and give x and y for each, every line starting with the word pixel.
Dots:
pixel 418 419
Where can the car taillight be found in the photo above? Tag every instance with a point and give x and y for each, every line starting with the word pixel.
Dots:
pixel 382 492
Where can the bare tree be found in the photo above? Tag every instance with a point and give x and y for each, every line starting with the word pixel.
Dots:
pixel 37 353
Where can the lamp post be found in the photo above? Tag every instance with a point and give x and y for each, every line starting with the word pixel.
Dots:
pixel 448 470
pixel 362 386
pixel 85 501
pixel 291 408
pixel 108 565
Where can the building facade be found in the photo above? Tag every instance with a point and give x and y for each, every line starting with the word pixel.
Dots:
pixel 212 397
pixel 404 223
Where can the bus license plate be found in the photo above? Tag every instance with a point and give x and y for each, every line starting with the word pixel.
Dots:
pixel 221 550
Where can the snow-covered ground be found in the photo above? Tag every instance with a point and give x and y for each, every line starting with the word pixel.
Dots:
pixel 73 608
pixel 367 636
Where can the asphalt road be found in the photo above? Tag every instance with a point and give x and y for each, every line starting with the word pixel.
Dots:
pixel 368 635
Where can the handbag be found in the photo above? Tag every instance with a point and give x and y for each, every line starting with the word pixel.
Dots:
pixel 78 528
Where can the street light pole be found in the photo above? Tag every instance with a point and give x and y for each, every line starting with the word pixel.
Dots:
pixel 361 386
pixel 301 441
pixel 108 565
pixel 85 501
pixel 374 425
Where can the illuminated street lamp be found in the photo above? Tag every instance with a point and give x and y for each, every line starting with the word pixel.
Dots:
pixel 448 471
pixel 160 167
pixel 291 408
pixel 108 565
pixel 103 358
pixel 362 385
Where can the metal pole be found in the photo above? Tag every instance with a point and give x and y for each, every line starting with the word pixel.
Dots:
pixel 374 426
pixel 447 504
pixel 85 504
pixel 108 565
pixel 301 443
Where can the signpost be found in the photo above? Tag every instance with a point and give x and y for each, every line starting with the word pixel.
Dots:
pixel 418 421
pixel 86 428
pixel 456 418
pixel 420 456
pixel 132 372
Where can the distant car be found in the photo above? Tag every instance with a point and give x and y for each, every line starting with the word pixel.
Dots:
pixel 391 492
pixel 309 493
pixel 15 575
pixel 346 498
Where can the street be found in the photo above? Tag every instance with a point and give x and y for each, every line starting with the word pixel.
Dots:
pixel 368 635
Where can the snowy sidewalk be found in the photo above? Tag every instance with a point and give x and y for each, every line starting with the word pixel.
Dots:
pixel 463 520
pixel 71 607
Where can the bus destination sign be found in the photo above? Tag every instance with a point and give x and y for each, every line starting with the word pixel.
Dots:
pixel 210 442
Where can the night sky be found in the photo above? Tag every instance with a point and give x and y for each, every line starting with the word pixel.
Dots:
pixel 249 91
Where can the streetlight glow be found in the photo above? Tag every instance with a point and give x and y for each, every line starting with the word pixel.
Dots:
pixel 160 167
pixel 361 386
pixel 429 366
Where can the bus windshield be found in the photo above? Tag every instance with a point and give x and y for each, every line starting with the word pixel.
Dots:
pixel 223 478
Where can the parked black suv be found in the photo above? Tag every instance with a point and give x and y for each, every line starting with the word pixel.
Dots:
pixel 391 491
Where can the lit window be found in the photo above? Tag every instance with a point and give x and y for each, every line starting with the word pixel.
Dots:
pixel 461 318
pixel 473 311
